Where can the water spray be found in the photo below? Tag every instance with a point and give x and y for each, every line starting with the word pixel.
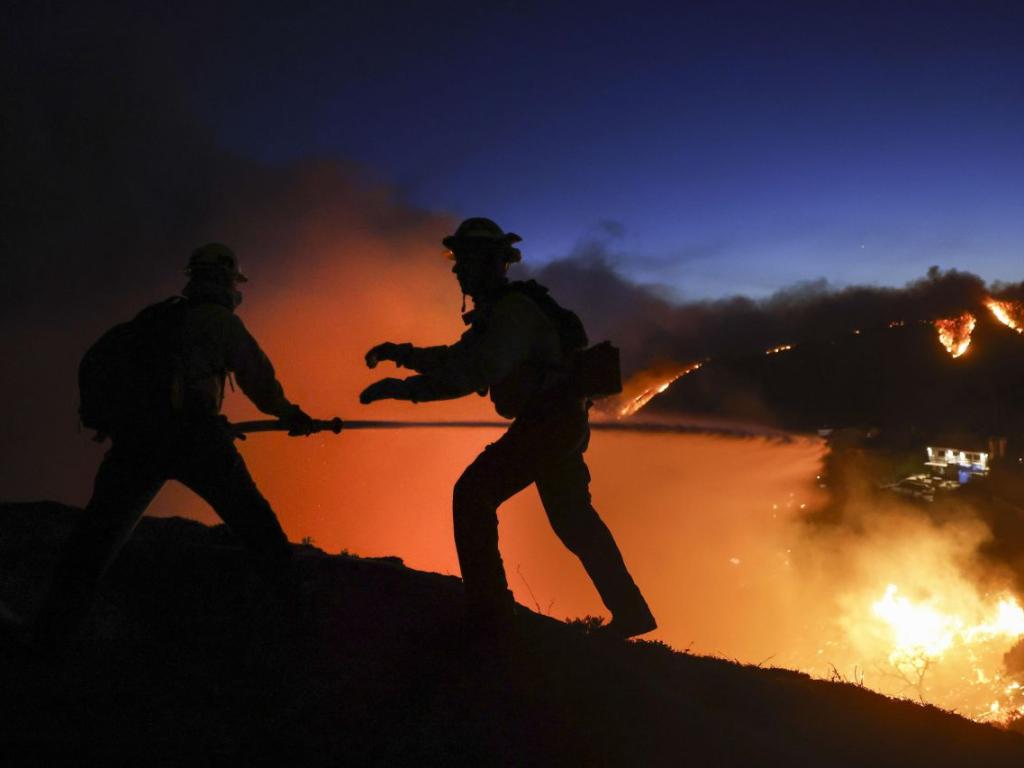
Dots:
pixel 337 425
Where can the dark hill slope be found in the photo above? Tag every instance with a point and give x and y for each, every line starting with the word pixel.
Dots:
pixel 188 660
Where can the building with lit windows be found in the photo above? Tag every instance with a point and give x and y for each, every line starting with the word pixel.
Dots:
pixel 956 464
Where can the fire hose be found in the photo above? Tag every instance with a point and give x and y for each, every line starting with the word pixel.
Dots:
pixel 337 425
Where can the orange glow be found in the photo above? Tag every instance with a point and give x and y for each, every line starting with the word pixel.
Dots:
pixel 782 348
pixel 954 638
pixel 918 629
pixel 917 617
pixel 955 333
pixel 922 629
pixel 374 493
pixel 642 387
pixel 1009 313
pixel 709 527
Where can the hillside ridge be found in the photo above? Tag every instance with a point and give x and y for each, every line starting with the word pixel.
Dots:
pixel 188 657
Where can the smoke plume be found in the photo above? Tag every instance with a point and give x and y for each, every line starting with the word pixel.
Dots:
pixel 651 328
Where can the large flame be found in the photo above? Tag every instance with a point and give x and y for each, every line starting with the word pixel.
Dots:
pixel 955 332
pixel 946 648
pixel 919 630
pixel 1009 313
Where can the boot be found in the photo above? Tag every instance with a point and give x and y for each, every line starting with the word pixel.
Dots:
pixel 637 620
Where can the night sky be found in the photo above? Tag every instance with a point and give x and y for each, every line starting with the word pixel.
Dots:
pixel 718 147
pixel 715 148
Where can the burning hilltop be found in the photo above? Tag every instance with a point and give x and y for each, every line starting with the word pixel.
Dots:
pixel 956 373
pixel 955 332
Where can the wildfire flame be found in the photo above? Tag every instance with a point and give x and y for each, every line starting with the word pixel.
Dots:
pixel 955 333
pixel 918 630
pixel 640 390
pixel 922 634
pixel 646 385
pixel 1009 313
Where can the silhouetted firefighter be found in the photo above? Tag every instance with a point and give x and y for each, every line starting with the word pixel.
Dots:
pixel 155 385
pixel 522 347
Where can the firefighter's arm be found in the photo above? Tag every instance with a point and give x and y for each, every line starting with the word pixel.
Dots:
pixel 474 363
pixel 419 359
pixel 455 373
pixel 426 359
pixel 448 372
pixel 254 371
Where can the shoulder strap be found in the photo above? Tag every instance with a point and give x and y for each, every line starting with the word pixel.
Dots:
pixel 568 324
pixel 163 323
pixel 160 309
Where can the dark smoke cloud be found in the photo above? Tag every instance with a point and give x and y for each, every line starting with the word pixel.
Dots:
pixel 651 328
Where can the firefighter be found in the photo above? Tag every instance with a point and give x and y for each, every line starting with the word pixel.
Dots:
pixel 517 348
pixel 194 446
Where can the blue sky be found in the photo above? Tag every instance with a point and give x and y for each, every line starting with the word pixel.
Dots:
pixel 719 148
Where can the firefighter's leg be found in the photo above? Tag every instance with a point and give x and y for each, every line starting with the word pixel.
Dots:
pixel 125 484
pixel 501 471
pixel 565 493
pixel 215 470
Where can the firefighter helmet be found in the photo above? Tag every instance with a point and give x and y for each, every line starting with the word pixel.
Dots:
pixel 480 236
pixel 215 258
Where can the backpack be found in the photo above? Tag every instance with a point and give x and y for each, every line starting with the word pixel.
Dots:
pixel 131 378
pixel 568 324
pixel 593 372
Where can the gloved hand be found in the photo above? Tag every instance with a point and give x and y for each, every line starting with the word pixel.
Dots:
pixel 387 351
pixel 385 389
pixel 300 423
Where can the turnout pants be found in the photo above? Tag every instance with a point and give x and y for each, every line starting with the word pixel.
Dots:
pixel 204 459
pixel 547 450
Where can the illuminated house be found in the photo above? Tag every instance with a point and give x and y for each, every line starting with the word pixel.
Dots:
pixel 956 464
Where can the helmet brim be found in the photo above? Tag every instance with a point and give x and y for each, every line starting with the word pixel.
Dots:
pixel 453 242
pixel 200 271
pixel 511 255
